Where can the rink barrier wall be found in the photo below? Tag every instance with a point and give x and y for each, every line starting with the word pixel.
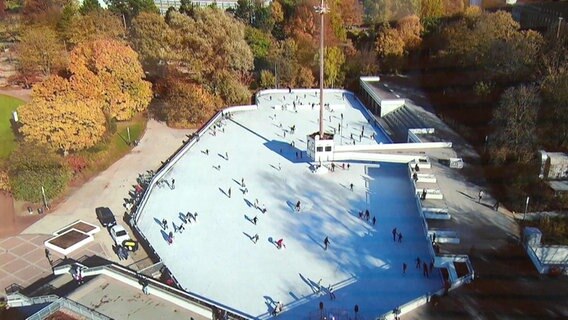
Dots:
pixel 393 146
pixel 163 170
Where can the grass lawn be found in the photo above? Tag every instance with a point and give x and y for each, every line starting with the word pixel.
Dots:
pixel 105 154
pixel 7 106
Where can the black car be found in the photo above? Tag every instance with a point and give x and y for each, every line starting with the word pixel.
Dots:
pixel 105 216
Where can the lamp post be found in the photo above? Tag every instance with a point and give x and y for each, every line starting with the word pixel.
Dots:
pixel 321 9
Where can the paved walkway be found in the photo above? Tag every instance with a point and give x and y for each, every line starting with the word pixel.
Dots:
pixel 109 188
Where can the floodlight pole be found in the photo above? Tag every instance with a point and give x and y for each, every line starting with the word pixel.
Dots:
pixel 321 9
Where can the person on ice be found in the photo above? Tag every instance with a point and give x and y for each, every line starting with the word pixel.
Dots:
pixel 280 244
pixel 325 243
pixel 298 206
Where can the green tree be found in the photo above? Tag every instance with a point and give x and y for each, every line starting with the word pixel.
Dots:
pixel 131 8
pixel 32 167
pixel 90 6
pixel 514 123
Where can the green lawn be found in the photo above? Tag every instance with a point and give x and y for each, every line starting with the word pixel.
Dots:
pixel 7 139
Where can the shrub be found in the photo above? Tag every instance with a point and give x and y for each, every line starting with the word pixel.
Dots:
pixel 32 167
pixel 76 163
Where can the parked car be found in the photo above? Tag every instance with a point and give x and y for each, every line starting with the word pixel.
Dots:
pixel 119 234
pixel 105 216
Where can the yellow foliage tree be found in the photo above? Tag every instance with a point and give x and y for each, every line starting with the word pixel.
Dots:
pixel 57 117
pixel 111 69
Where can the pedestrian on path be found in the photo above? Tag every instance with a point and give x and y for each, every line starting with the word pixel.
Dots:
pixel 404 266
pixel 144 283
pixel 394 232
pixel 399 237
pixel 325 243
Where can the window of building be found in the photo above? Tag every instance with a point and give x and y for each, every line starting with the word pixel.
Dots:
pixel 320 149
pixel 328 148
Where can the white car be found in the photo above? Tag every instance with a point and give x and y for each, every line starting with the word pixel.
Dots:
pixel 119 234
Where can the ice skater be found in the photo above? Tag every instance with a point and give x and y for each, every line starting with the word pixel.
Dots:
pixel 351 187
pixel 374 220
pixel 170 238
pixel 331 293
pixel 404 266
pixel 188 217
pixel 255 238
pixel 227 156
pixel 254 220
pixel 165 224
pixel 325 243
pixel 280 244
pixel 243 182
pixel 173 185
pixel 425 269
pixel 319 285
pixel 399 237
pixel 298 206
pixel 480 196
pixel 418 262
pixel 278 308
pixel 394 232
pixel 229 192
pixel 181 228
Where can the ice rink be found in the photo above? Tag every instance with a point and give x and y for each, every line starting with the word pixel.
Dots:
pixel 216 258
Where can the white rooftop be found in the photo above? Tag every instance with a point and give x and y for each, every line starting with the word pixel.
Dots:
pixel 215 257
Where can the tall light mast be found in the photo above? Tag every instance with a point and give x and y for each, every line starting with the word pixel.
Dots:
pixel 321 9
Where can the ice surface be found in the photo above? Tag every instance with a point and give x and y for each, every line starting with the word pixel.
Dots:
pixel 216 257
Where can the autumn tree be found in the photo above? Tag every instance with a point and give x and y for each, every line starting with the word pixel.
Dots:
pixel 495 42
pixel 113 67
pixel 266 79
pixel 188 104
pixel 40 51
pixel 2 8
pixel 95 24
pixel 554 88
pixel 45 12
pixel 389 43
pixel 334 58
pixel 514 123
pixel 59 118
pixel 385 11
pixel 152 38
pixel 410 29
